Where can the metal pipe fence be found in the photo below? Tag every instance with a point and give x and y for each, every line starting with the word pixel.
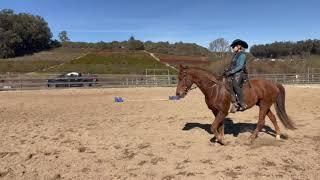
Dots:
pixel 19 81
pixel 290 78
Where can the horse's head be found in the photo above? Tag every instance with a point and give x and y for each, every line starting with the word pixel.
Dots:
pixel 184 82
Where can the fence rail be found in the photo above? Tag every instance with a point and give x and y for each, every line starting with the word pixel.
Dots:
pixel 12 82
pixel 290 78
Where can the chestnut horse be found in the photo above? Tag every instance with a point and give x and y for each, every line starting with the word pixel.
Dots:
pixel 260 92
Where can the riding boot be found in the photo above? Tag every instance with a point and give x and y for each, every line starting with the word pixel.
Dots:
pixel 242 104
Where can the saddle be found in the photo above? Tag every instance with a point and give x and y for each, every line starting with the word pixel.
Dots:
pixel 228 84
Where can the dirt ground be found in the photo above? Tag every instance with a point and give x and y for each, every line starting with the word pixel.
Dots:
pixel 84 134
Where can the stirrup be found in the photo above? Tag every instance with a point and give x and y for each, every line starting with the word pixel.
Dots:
pixel 234 108
pixel 242 107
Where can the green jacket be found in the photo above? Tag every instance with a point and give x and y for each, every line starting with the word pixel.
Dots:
pixel 238 63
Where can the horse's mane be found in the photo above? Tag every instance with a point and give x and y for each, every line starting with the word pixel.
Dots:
pixel 206 73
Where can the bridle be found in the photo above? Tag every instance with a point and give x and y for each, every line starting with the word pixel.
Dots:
pixel 191 88
pixel 185 82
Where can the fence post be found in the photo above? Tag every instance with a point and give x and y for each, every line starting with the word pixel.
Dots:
pixel 20 80
pixel 308 75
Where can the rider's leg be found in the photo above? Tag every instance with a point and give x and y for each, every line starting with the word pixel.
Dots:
pixel 236 82
pixel 234 98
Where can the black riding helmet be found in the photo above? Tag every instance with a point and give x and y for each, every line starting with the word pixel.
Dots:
pixel 239 42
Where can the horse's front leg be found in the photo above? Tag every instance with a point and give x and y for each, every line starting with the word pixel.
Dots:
pixel 221 126
pixel 218 123
pixel 221 129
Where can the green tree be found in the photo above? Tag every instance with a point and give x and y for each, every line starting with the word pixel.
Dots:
pixel 133 44
pixel 284 49
pixel 63 36
pixel 22 33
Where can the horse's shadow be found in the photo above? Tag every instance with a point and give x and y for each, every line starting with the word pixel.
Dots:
pixel 230 128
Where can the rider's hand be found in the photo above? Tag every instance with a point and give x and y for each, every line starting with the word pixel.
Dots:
pixel 226 73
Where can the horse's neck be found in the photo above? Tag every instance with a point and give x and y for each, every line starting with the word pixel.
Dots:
pixel 203 82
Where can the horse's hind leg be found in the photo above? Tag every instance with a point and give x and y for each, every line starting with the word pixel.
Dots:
pixel 262 114
pixel 274 122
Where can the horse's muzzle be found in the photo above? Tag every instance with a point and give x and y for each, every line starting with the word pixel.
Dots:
pixel 181 95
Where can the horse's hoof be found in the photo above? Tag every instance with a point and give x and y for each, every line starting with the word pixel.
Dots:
pixel 251 140
pixel 219 141
pixel 225 143
pixel 278 137
pixel 214 142
pixel 248 142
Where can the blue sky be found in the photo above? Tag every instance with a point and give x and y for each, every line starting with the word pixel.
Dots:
pixel 198 21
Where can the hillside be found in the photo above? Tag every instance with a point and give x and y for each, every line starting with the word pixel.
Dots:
pixel 267 66
pixel 255 66
pixel 90 60
pixel 185 60
pixel 106 62
pixel 176 49
pixel 41 60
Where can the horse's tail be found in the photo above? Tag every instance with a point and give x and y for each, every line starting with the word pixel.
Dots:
pixel 281 109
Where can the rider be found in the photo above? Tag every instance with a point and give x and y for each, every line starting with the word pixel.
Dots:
pixel 237 70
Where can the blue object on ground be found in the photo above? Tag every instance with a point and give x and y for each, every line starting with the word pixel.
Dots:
pixel 174 97
pixel 118 99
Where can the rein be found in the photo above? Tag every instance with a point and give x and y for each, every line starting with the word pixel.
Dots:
pixel 195 87
pixel 212 88
pixel 192 88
